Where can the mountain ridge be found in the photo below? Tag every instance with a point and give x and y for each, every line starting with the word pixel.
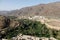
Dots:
pixel 49 10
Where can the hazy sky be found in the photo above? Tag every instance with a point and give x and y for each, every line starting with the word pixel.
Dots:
pixel 17 4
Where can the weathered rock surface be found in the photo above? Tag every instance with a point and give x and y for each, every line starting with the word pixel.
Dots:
pixel 6 23
pixel 3 19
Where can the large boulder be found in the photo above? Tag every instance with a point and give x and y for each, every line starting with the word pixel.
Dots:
pixel 2 21
pixel 6 24
pixel 13 24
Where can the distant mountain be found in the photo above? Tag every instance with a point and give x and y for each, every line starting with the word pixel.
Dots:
pixel 3 12
pixel 49 10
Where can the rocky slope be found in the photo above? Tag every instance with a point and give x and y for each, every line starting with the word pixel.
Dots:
pixel 7 24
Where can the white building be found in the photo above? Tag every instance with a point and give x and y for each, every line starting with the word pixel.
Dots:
pixel 38 18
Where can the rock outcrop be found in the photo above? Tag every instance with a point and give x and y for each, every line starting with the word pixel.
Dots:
pixel 6 24
pixel 3 20
pixel 13 24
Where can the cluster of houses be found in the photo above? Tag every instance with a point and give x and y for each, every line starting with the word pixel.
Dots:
pixel 37 18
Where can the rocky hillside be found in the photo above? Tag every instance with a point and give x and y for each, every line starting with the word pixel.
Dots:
pixel 10 28
pixel 7 23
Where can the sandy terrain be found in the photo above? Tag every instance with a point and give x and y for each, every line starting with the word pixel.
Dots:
pixel 53 24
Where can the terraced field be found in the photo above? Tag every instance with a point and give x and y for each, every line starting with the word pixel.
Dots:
pixel 53 24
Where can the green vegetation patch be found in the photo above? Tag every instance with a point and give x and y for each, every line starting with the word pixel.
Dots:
pixel 33 28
